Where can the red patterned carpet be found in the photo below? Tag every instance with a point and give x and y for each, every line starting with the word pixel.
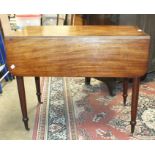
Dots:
pixel 73 111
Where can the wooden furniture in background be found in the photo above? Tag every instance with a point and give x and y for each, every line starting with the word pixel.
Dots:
pixel 100 19
pixel 75 51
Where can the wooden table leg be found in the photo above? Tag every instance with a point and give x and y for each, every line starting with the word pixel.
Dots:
pixel 134 102
pixel 111 84
pixel 87 80
pixel 125 90
pixel 21 92
pixel 37 81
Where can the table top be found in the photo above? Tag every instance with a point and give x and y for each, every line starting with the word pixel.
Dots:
pixel 75 31
pixel 89 51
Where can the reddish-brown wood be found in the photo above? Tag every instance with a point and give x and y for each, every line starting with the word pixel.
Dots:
pixel 125 90
pixel 89 51
pixel 38 93
pixel 78 56
pixel 71 31
pixel 21 92
pixel 134 102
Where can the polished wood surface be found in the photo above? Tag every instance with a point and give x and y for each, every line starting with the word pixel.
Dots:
pixel 91 51
pixel 125 90
pixel 134 102
pixel 74 31
pixel 75 55
pixel 22 97
pixel 38 93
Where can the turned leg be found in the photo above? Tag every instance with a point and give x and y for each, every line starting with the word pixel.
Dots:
pixel 37 81
pixel 125 90
pixel 21 92
pixel 134 102
pixel 87 80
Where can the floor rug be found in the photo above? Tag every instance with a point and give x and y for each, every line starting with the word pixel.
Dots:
pixel 71 110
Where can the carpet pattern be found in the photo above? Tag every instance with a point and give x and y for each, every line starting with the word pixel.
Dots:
pixel 72 110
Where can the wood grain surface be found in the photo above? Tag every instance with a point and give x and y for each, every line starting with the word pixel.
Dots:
pixel 48 31
pixel 88 56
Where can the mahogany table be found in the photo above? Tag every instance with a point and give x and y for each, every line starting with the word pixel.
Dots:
pixel 78 51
